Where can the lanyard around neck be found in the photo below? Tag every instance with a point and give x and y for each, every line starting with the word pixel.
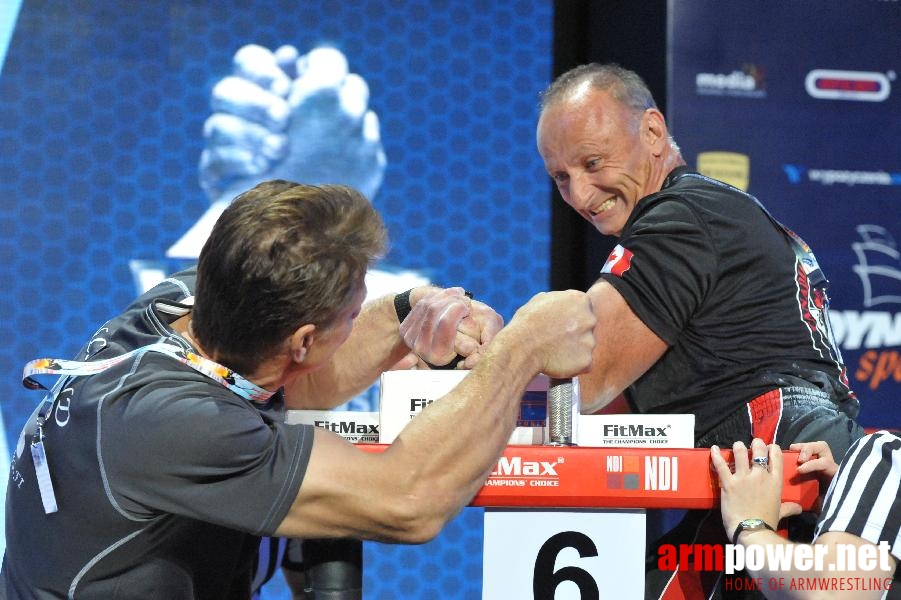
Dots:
pixel 219 373
pixel 68 369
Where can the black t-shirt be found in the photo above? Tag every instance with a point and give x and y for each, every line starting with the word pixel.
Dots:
pixel 706 269
pixel 164 477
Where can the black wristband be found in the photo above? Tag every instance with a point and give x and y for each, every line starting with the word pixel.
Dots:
pixel 451 365
pixel 402 305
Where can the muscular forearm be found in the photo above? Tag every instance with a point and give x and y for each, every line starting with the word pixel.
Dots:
pixel 443 456
pixel 451 461
pixel 434 468
pixel 452 446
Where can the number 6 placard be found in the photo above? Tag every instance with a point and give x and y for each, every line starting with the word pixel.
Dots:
pixel 563 554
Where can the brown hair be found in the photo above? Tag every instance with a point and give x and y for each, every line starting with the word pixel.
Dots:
pixel 281 255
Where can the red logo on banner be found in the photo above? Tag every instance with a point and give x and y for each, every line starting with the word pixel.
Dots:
pixel 833 84
pixel 618 262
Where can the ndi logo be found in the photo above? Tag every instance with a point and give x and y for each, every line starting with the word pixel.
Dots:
pixel 661 473
pixel 623 473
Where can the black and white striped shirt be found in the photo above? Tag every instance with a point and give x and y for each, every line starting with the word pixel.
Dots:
pixel 864 498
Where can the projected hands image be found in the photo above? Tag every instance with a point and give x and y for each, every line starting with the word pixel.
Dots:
pixel 283 115
pixel 290 116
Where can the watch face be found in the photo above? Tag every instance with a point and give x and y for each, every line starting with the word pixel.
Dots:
pixel 752 523
pixel 749 525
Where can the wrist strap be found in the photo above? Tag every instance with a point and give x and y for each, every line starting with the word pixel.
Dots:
pixel 741 527
pixel 402 305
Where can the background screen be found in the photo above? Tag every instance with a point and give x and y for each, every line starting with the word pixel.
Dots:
pixel 102 130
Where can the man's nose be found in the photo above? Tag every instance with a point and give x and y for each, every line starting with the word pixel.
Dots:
pixel 580 192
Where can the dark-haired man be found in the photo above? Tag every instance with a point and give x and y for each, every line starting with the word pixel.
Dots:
pixel 161 454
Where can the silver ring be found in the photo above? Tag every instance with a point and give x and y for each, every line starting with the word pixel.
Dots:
pixel 761 461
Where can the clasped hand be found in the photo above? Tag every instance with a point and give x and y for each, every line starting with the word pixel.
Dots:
pixel 445 323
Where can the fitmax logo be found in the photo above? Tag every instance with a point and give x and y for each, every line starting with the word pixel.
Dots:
pixel 634 431
pixel 348 427
pixel 515 466
pixel 419 403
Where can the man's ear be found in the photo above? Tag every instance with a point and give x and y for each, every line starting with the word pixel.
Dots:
pixel 654 130
pixel 300 342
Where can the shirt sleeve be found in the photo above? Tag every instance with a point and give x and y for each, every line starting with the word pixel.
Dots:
pixel 864 498
pixel 209 457
pixel 671 267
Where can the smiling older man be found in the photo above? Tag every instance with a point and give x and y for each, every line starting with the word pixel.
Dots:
pixel 707 305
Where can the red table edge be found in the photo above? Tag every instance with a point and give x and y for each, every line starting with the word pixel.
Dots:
pixel 616 478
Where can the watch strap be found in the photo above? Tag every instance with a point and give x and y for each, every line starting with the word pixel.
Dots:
pixel 745 525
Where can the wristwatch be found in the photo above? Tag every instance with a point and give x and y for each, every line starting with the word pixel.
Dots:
pixel 750 525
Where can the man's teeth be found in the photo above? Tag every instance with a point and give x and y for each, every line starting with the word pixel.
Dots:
pixel 607 205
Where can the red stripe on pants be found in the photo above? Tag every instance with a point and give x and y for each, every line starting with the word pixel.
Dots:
pixel 765 411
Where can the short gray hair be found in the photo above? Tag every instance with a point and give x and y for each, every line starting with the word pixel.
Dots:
pixel 622 84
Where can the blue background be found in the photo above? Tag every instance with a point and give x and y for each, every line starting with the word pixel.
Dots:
pixel 788 135
pixel 102 105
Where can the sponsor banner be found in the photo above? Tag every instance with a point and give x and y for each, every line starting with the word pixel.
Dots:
pixel 672 431
pixel 357 427
pixel 405 394
pixel 839 84
pixel 813 138
pixel 577 477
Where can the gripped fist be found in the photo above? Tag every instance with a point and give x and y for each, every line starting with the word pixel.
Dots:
pixel 445 323
pixel 557 328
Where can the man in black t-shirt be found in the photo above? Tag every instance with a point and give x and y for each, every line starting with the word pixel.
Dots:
pixel 707 305
pixel 161 453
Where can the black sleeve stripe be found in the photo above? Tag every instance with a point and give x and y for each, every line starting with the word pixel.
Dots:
pixel 850 470
pixel 878 473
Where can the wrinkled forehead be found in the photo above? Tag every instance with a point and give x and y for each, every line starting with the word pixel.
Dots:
pixel 593 109
pixel 590 113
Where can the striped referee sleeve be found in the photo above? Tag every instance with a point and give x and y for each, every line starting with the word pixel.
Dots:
pixel 864 497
